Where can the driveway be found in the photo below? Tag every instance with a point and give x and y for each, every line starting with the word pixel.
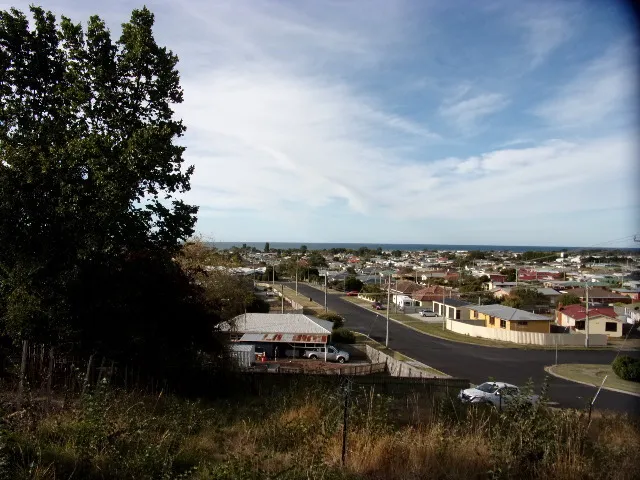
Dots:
pixel 479 363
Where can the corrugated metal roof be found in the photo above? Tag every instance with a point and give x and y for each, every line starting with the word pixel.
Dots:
pixel 295 323
pixel 507 313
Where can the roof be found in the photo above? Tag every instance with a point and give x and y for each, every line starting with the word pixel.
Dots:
pixel 507 313
pixel 454 302
pixel 406 286
pixel 595 293
pixel 278 323
pixel 578 312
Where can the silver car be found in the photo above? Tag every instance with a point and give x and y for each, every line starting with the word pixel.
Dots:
pixel 427 313
pixel 333 354
pixel 494 393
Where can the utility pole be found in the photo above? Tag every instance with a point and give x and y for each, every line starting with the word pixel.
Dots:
pixel 386 341
pixel 296 276
pixel 282 297
pixel 325 291
pixel 586 315
pixel 444 307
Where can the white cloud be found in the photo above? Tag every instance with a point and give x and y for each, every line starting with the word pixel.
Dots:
pixel 603 87
pixel 544 34
pixel 466 113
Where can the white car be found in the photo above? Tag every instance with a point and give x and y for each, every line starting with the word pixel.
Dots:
pixel 494 393
pixel 332 354
pixel 428 313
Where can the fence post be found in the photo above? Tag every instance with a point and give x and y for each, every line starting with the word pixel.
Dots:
pixel 87 376
pixel 23 368
pixel 50 377
pixel 345 420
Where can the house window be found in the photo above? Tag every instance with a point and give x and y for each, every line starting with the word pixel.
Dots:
pixel 474 314
pixel 457 314
pixel 523 323
pixel 611 327
pixel 503 324
pixel 492 321
pixel 579 324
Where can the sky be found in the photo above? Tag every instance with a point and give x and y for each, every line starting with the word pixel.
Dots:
pixel 390 121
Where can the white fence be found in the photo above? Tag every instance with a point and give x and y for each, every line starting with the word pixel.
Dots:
pixel 530 338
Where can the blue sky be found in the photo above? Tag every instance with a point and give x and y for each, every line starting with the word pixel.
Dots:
pixel 493 122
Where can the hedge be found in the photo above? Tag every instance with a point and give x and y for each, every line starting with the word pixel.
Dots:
pixel 627 368
pixel 343 335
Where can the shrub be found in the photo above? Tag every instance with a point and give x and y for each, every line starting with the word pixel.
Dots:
pixel 343 335
pixel 627 368
pixel 337 320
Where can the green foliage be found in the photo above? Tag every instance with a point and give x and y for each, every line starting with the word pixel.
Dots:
pixel 89 178
pixel 510 274
pixel 569 299
pixel 337 320
pixel 316 259
pixel 372 288
pixel 396 253
pixel 352 283
pixel 270 274
pixel 538 256
pixel 525 298
pixel 266 247
pixel 343 335
pixel 627 368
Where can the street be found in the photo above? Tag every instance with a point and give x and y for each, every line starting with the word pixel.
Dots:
pixel 480 363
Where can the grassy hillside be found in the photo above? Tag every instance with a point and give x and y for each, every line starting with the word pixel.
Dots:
pixel 298 434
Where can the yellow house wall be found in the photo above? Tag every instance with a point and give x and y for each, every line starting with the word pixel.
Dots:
pixel 598 324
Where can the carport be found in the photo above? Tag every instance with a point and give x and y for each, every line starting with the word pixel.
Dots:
pixel 271 330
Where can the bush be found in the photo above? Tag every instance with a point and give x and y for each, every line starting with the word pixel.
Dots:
pixel 337 320
pixel 343 335
pixel 627 368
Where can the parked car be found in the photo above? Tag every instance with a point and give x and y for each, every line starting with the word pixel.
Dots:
pixel 376 305
pixel 353 293
pixel 495 393
pixel 333 354
pixel 428 313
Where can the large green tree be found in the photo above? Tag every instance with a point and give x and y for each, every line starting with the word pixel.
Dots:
pixel 90 175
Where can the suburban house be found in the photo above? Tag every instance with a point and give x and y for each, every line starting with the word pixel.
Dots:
pixel 550 294
pixel 509 318
pixel 629 313
pixel 602 320
pixel 632 293
pixel 598 295
pixel 453 308
pixel 286 331
pixel 405 287
pixel 494 284
pixel 427 295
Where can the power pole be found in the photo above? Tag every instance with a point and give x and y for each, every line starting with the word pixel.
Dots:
pixel 386 341
pixel 282 291
pixel 296 276
pixel 586 315
pixel 325 291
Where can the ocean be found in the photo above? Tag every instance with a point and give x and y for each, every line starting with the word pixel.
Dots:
pixel 405 246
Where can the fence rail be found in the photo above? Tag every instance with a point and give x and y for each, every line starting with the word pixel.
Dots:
pixel 369 369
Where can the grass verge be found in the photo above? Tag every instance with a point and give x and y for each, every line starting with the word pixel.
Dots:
pixel 593 375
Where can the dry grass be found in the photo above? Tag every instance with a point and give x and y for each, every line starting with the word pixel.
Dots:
pixel 298 434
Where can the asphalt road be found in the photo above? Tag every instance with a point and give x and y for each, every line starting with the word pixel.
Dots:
pixel 479 363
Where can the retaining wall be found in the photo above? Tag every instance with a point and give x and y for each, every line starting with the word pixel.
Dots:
pixel 398 368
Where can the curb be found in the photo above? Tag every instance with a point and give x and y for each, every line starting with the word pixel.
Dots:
pixel 550 371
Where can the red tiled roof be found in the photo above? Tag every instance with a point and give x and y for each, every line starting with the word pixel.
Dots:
pixel 578 312
pixel 406 286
